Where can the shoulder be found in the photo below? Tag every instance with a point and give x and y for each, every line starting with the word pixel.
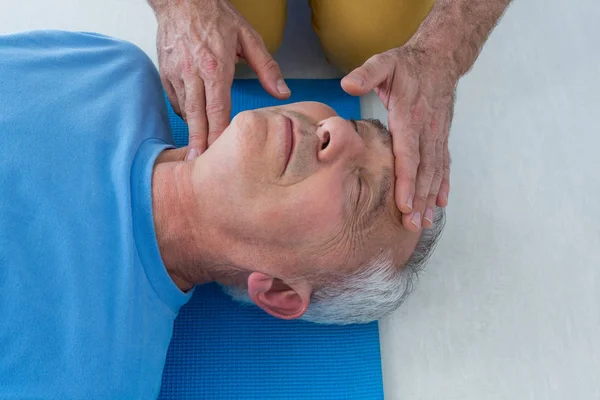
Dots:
pixel 128 52
pixel 116 50
pixel 60 45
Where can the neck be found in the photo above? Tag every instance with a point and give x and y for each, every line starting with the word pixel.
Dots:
pixel 180 223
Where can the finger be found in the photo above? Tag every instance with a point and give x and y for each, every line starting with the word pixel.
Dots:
pixel 366 77
pixel 179 88
pixel 425 174
pixel 437 125
pixel 442 198
pixel 195 114
pixel 171 95
pixel 258 57
pixel 218 102
pixel 405 140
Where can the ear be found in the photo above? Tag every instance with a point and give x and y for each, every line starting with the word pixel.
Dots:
pixel 278 298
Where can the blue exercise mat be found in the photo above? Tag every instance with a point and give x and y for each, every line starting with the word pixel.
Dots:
pixel 222 350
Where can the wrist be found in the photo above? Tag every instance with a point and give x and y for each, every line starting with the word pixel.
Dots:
pixel 158 6
pixel 162 7
pixel 444 39
pixel 455 30
pixel 438 53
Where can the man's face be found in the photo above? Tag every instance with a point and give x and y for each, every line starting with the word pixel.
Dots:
pixel 301 190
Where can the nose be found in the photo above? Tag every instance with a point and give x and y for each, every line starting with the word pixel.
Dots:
pixel 337 139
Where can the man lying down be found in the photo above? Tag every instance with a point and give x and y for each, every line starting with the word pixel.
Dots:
pixel 105 228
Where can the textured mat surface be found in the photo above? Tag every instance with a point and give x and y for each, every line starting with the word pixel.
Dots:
pixel 221 350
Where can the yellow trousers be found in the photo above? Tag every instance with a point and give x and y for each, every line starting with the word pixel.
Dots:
pixel 350 31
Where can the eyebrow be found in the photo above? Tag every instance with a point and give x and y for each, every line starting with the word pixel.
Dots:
pixel 382 131
pixel 386 176
pixel 355 125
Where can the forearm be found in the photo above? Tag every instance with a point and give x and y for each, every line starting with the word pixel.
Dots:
pixel 158 5
pixel 457 30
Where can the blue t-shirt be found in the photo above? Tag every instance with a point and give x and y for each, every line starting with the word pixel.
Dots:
pixel 86 304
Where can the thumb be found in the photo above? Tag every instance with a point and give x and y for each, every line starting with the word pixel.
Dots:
pixel 366 77
pixel 256 54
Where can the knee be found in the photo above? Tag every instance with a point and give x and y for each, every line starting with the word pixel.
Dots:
pixel 267 17
pixel 350 33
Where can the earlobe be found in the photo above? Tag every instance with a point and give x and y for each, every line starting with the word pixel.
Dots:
pixel 278 298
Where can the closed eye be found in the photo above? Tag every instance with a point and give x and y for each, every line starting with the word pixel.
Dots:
pixel 360 185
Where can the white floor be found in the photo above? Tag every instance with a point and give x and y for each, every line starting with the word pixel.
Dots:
pixel 509 307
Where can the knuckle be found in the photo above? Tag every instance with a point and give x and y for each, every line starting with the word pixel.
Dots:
pixel 439 145
pixel 197 137
pixel 408 169
pixel 428 169
pixel 447 164
pixel 271 65
pixel 422 196
pixel 253 37
pixel 193 107
pixel 166 74
pixel 215 109
pixel 435 123
pixel 431 199
pixel 420 112
pixel 209 64
pixel 439 163
pixel 370 67
pixel 177 84
pixel 417 113
pixel 183 67
pixel 411 179
pixel 446 174
pixel 380 58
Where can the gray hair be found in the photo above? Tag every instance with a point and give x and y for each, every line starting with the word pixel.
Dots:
pixel 374 291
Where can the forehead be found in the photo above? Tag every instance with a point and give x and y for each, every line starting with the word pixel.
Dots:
pixel 312 110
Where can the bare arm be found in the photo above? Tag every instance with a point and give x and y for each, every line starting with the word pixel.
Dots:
pixel 458 29
pixel 160 5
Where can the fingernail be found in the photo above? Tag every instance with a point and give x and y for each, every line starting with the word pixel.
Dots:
pixel 282 87
pixel 416 219
pixel 445 196
pixel 356 79
pixel 429 215
pixel 409 201
pixel 193 153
